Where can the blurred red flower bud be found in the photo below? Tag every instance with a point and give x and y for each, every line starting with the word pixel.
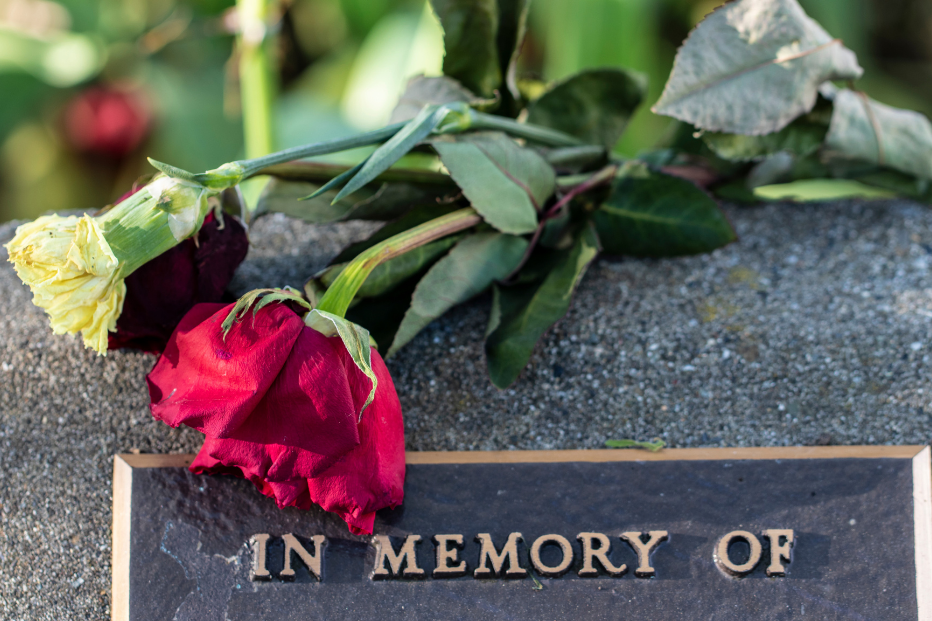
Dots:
pixel 107 121
pixel 279 403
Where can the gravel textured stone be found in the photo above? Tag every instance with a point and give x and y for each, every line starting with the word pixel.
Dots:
pixel 815 329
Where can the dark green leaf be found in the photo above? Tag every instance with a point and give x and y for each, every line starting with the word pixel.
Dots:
pixel 651 214
pixel 752 66
pixel 383 314
pixel 387 275
pixel 470 28
pixel 507 184
pixel 594 105
pixel 521 314
pixel 867 130
pixel 475 263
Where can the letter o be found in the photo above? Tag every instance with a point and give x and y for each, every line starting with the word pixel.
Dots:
pixel 724 562
pixel 565 548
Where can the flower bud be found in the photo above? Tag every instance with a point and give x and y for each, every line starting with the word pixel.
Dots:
pixel 73 274
pixel 75 266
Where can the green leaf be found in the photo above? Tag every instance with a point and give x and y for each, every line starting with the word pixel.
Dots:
pixel 421 91
pixel 475 263
pixel 521 314
pixel 337 181
pixel 801 137
pixel 650 214
pixel 397 146
pixel 867 130
pixel 387 275
pixel 354 337
pixel 653 447
pixel 507 184
pixel 470 28
pixel 752 66
pixel 594 105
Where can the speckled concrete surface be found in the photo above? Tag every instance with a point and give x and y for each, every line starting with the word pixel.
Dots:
pixel 815 328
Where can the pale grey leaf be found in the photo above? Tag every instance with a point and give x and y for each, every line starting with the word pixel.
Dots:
pixel 752 66
pixel 867 130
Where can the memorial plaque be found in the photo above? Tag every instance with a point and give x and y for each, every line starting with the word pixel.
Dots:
pixel 764 533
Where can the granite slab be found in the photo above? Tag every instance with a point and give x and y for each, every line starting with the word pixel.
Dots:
pixel 815 328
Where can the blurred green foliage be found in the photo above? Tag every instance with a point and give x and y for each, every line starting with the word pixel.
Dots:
pixel 88 88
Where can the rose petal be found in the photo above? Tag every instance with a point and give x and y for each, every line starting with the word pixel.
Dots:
pixel 159 293
pixel 212 383
pixel 367 478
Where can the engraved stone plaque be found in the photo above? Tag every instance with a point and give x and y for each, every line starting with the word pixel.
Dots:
pixel 727 534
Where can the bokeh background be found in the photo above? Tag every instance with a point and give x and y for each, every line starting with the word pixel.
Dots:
pixel 89 88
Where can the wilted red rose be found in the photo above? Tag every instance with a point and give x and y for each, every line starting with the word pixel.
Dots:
pixel 107 121
pixel 279 403
pixel 159 293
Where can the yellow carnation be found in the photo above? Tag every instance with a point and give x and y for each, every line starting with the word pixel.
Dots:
pixel 73 275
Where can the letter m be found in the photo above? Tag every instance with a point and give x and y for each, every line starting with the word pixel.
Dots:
pixel 488 554
pixel 385 552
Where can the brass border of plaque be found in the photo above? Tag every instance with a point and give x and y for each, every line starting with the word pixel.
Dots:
pixel 921 457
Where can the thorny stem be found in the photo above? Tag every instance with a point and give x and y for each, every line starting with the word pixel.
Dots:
pixel 600 177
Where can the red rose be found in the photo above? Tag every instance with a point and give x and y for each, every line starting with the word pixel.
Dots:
pixel 159 293
pixel 279 403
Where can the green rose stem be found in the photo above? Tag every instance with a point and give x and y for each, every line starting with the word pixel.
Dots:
pixel 339 295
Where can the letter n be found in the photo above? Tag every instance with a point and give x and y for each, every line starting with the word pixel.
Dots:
pixel 311 562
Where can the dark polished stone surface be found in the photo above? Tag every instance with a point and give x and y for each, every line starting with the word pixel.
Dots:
pixel 853 557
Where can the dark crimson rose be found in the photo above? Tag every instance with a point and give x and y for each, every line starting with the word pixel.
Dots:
pixel 107 121
pixel 159 293
pixel 279 405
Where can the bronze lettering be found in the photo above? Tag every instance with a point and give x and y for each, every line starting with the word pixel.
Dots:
pixel 488 553
pixel 600 553
pixel 445 556
pixel 384 551
pixel 778 551
pixel 655 538
pixel 555 570
pixel 311 562
pixel 724 561
pixel 259 569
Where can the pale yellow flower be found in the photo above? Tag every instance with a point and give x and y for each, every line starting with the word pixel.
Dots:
pixel 73 274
